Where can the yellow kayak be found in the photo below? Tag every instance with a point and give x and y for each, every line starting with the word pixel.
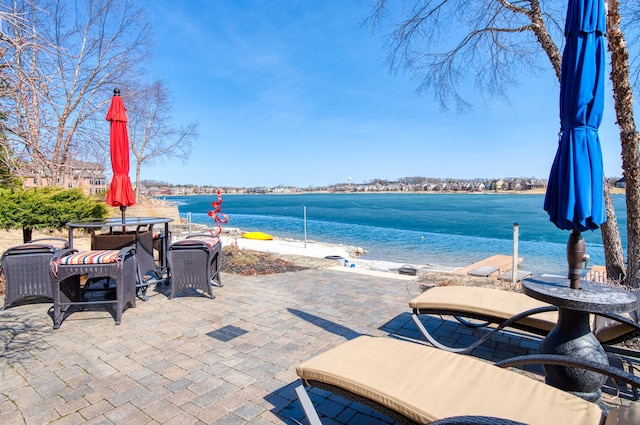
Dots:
pixel 257 235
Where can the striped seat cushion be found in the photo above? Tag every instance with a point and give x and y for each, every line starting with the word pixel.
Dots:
pixel 104 256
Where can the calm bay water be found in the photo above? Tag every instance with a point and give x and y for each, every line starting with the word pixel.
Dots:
pixel 443 229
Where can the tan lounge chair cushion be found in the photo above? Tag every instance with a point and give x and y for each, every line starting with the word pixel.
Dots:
pixel 426 384
pixel 608 329
pixel 485 301
pixel 624 415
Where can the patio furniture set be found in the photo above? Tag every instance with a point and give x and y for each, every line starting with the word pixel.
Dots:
pixel 406 380
pixel 117 270
pixel 415 383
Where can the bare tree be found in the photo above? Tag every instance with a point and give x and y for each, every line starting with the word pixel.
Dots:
pixel 63 58
pixel 623 103
pixel 153 135
pixel 443 44
pixel 20 85
pixel 494 42
pixel 631 31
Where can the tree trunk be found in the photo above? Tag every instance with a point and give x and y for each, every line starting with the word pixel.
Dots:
pixel 137 180
pixel 623 102
pixel 613 255
pixel 26 234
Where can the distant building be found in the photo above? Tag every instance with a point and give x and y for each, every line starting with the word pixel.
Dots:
pixel 284 189
pixel 88 176
pixel 515 184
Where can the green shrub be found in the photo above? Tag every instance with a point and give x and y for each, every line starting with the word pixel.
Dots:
pixel 46 208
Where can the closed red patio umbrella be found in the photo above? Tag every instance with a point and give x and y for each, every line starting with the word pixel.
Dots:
pixel 120 191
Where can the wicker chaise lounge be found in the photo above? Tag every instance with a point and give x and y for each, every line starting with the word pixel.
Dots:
pixel 67 268
pixel 26 270
pixel 508 309
pixel 195 263
pixel 413 383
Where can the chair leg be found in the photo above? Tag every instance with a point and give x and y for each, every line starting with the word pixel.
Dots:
pixel 307 406
pixel 119 304
pixel 66 290
pixel 216 274
pixel 218 278
pixel 436 343
pixel 57 314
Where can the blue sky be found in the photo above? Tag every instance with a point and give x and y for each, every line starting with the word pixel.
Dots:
pixel 297 93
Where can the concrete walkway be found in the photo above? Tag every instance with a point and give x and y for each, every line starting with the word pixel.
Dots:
pixel 193 360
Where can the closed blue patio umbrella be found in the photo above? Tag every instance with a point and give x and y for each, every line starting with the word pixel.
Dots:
pixel 575 191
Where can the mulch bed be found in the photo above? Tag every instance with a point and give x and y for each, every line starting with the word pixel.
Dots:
pixel 252 263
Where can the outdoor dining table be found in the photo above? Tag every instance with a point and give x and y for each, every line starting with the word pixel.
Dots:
pixel 115 224
pixel 572 335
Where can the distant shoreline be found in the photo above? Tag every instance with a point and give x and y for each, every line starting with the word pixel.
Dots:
pixel 612 190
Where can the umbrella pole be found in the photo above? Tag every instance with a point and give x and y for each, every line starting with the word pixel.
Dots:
pixel 123 209
pixel 576 249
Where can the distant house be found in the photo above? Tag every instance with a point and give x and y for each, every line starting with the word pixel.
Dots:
pixel 284 189
pixel 88 176
pixel 497 185
pixel 535 184
pixel 622 184
pixel 516 184
pixel 441 186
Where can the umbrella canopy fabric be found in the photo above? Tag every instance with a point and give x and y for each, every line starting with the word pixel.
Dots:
pixel 575 191
pixel 120 191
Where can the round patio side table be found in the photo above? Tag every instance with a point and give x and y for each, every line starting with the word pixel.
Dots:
pixel 572 334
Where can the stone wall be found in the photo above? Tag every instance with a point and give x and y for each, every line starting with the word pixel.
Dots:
pixel 149 210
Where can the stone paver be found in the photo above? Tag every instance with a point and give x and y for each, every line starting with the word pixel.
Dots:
pixel 193 360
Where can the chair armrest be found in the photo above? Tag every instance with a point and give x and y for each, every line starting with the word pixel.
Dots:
pixel 605 329
pixel 63 253
pixel 200 235
pixel 560 360
pixel 48 239
pixel 127 251
pixel 621 319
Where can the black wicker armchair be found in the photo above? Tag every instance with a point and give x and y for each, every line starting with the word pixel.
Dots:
pixel 195 263
pixel 26 270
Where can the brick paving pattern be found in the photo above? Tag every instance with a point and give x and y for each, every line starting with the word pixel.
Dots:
pixel 193 360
